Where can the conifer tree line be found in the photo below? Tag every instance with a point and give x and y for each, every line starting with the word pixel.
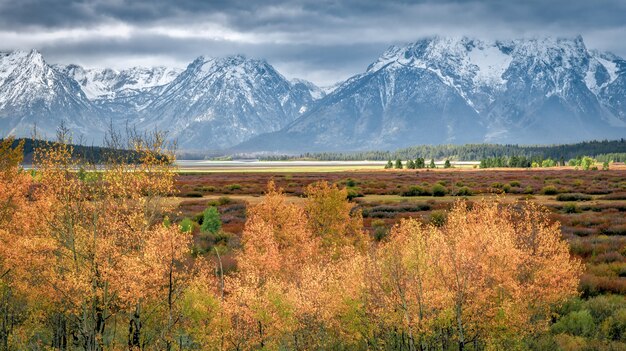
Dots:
pixel 89 261
pixel 614 150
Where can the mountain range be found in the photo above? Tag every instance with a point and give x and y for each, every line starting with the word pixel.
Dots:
pixel 434 91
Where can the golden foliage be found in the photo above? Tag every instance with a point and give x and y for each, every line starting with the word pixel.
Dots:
pixel 85 250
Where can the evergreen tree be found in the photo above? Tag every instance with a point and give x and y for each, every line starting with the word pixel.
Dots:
pixel 432 163
pixel 420 163
pixel 398 164
pixel 389 165
pixel 410 164
pixel 211 221
pixel 447 164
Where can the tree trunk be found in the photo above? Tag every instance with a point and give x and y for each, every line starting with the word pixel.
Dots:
pixel 134 330
pixel 59 332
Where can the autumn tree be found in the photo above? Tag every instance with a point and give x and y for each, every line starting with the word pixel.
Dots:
pixel 100 253
pixel 332 218
pixel 473 275
pixel 15 217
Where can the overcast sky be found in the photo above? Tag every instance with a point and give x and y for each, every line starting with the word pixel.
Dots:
pixel 322 41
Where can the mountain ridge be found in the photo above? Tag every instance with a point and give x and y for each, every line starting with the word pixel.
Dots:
pixel 434 90
pixel 518 91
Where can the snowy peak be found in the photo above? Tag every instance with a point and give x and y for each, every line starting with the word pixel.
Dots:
pixel 484 62
pixel 99 83
pixel 34 93
pixel 218 102
pixel 461 89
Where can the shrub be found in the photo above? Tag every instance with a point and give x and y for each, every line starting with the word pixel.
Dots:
pixel 549 190
pixel 416 191
pixel 578 323
pixel 439 190
pixel 221 238
pixel 193 194
pixel 586 163
pixel 233 187
pixel 570 208
pixel 573 197
pixel 186 225
pixel 211 221
pixel 353 193
pixel 464 191
pixel 615 196
pixel 619 229
pixel 224 200
pixel 515 183
pixel 438 218
pixel 208 188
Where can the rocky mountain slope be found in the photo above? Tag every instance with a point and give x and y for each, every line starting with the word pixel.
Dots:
pixel 462 90
pixel 33 93
pixel 219 102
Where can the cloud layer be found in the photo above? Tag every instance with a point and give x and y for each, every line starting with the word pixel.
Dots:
pixel 323 41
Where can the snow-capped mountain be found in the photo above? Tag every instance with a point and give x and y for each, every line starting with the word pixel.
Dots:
pixel 33 93
pixel 219 102
pixel 106 83
pixel 436 90
pixel 214 103
pixel 121 95
pixel 459 90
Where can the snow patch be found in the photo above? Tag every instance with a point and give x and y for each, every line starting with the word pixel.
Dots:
pixel 491 63
pixel 611 67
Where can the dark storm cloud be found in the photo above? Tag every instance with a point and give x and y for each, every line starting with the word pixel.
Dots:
pixel 320 40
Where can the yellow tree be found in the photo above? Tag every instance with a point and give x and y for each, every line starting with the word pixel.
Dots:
pixel 488 258
pixel 334 219
pixel 276 246
pixel 403 280
pixel 15 217
pixel 95 254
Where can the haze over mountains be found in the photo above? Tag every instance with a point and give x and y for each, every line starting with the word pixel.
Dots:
pixel 434 91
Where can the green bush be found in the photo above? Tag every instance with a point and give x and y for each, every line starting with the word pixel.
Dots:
pixel 578 323
pixel 416 191
pixel 186 225
pixel 233 187
pixel 439 190
pixel 586 163
pixel 573 197
pixel 464 191
pixel 211 221
pixel 549 190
